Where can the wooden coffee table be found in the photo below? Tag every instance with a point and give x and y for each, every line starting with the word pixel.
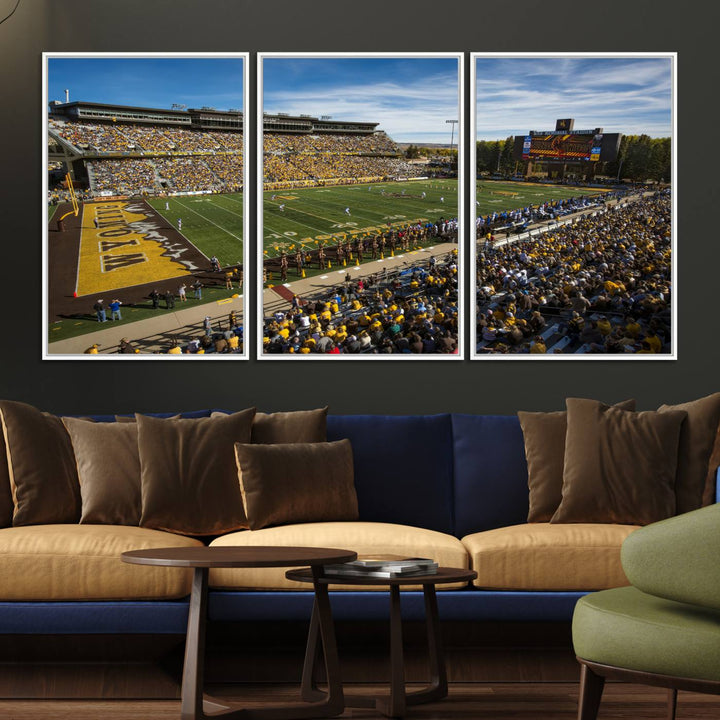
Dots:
pixel 396 703
pixel 194 706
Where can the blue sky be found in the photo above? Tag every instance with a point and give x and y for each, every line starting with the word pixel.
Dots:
pixel 628 95
pixel 411 98
pixel 149 82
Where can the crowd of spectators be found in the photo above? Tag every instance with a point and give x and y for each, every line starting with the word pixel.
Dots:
pixel 377 142
pixel 157 158
pixel 602 284
pixel 186 174
pixel 545 212
pixel 124 176
pixel 148 139
pixel 227 168
pixel 412 311
pixel 309 159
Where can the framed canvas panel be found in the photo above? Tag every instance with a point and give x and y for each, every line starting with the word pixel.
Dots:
pixel 360 206
pixel 145 228
pixel 574 251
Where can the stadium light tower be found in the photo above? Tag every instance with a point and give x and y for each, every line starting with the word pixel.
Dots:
pixel 452 131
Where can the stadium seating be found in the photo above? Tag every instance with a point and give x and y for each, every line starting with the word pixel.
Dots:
pixel 154 158
pixel 313 159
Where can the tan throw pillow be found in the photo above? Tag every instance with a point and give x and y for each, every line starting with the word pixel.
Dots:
pixel 188 473
pixel 620 466
pixel 544 435
pixel 298 426
pixel 41 466
pixel 108 466
pixel 297 483
pixel 697 438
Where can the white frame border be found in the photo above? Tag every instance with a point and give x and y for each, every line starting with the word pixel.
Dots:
pixel 46 355
pixel 460 57
pixel 474 355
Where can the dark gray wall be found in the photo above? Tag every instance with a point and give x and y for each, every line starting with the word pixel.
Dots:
pixel 337 25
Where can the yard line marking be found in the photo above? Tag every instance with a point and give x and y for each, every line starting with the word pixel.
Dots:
pixel 209 220
pixel 294 209
pixel 185 236
pixel 232 212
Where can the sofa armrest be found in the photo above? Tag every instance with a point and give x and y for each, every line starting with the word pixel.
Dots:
pixel 677 558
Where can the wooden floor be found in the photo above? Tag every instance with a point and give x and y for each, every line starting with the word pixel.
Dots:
pixel 476 701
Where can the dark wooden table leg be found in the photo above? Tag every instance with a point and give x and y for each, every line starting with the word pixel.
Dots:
pixel 335 702
pixel 193 670
pixel 591 688
pixel 308 687
pixel 394 706
pixel 438 687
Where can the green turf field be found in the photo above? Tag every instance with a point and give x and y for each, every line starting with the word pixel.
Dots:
pixel 314 215
pixel 494 196
pixel 213 223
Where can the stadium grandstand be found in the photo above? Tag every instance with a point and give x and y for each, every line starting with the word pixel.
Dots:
pixel 114 150
pixel 597 280
pixel 412 309
pixel 305 151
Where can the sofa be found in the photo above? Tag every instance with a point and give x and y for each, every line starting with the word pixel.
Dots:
pixel 453 487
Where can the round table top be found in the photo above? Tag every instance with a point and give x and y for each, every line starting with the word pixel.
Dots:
pixel 238 557
pixel 443 575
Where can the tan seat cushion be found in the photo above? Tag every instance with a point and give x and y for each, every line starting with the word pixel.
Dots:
pixel 365 538
pixel 82 562
pixel 544 556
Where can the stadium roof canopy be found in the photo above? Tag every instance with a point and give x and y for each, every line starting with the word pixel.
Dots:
pixel 284 123
pixel 200 119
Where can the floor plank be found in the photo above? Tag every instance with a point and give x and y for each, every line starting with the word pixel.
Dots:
pixel 476 701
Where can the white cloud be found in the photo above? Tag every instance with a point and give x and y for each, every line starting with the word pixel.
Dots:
pixel 419 108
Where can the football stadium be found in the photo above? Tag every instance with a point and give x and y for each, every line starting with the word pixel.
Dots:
pixel 145 217
pixel 571 262
pixel 359 243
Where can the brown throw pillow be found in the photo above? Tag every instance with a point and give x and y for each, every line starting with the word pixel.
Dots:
pixel 188 473
pixel 298 426
pixel 297 483
pixel 697 438
pixel 6 500
pixel 41 466
pixel 620 466
pixel 544 435
pixel 108 466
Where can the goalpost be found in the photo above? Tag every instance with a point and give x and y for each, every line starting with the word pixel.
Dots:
pixel 73 200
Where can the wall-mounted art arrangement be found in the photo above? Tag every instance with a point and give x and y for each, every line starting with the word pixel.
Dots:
pixel 143 166
pixel 359 208
pixel 573 209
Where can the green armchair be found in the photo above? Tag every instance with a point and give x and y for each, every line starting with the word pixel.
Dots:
pixel 664 629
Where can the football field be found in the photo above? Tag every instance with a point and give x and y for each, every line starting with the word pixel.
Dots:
pixel 213 223
pixel 308 216
pixel 494 196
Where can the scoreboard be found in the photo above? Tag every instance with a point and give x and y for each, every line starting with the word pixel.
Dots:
pixel 557 146
pixel 564 146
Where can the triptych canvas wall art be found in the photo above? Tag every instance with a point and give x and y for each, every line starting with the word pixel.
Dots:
pixel 365 247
